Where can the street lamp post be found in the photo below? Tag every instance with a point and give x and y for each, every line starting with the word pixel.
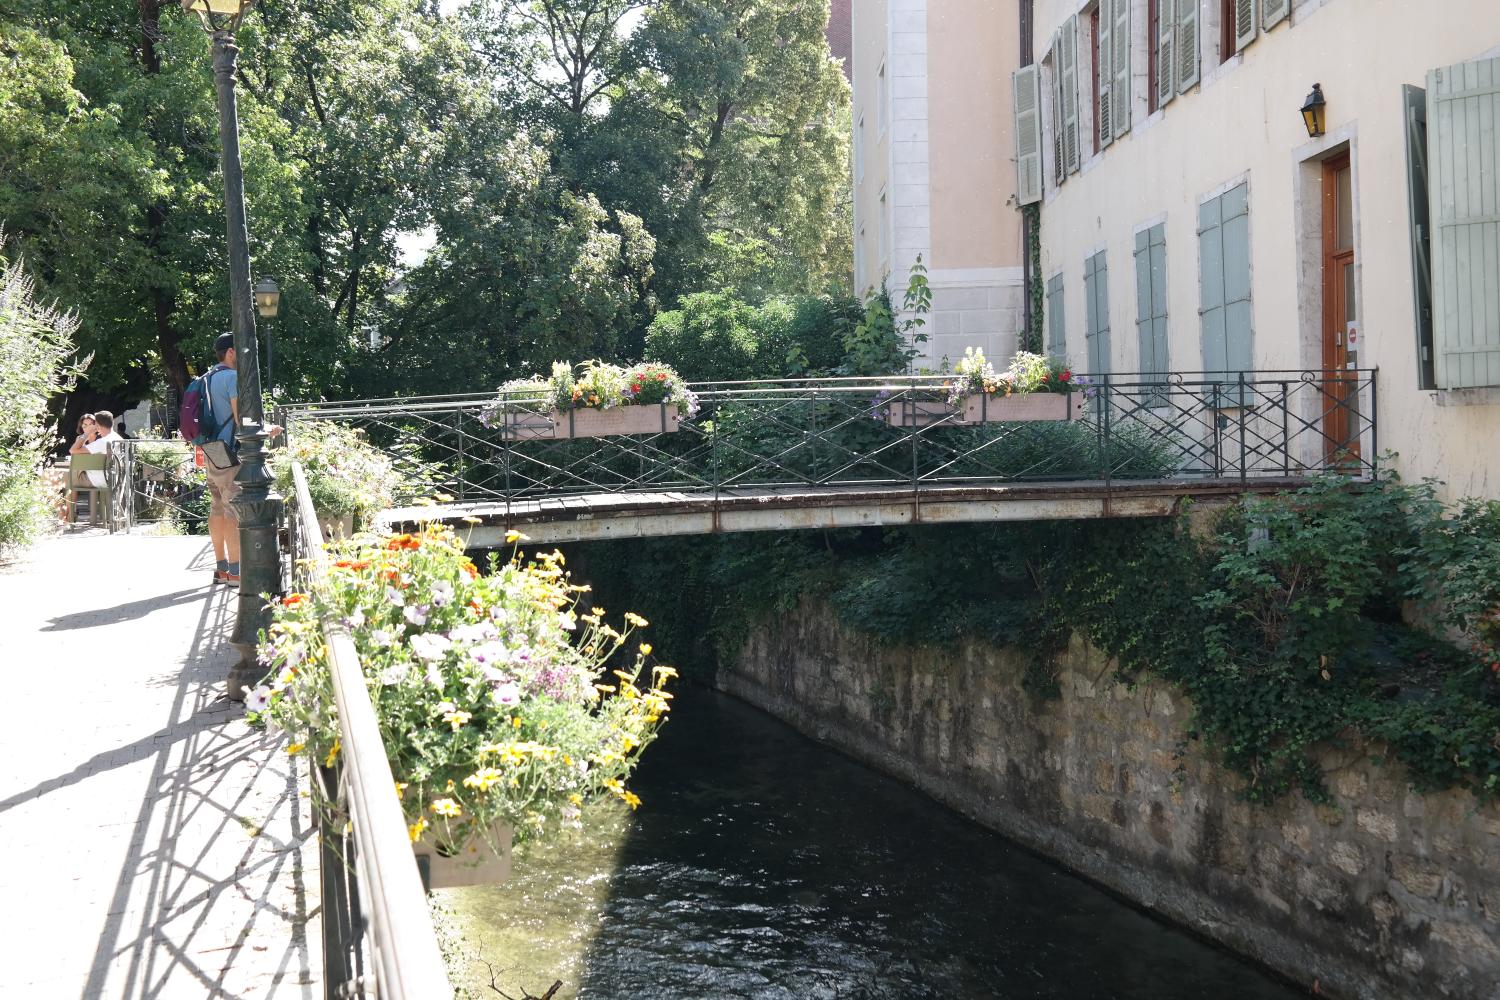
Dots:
pixel 267 305
pixel 257 507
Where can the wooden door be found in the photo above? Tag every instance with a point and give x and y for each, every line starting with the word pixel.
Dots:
pixel 1341 422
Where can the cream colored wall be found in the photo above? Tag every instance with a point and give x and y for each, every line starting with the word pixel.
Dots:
pixel 869 46
pixel 973 46
pixel 1243 121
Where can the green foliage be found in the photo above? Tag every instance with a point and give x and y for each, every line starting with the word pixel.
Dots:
pixel 345 474
pixel 36 347
pixel 713 337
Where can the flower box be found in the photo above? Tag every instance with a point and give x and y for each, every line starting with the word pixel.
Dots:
pixel 334 528
pixel 561 425
pixel 1021 407
pixel 919 413
pixel 476 863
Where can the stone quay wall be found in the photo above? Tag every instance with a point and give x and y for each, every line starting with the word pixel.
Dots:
pixel 1385 893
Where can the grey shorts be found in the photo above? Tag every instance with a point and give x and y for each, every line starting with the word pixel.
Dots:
pixel 222 488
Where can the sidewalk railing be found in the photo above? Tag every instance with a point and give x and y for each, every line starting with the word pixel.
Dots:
pixel 154 481
pixel 379 940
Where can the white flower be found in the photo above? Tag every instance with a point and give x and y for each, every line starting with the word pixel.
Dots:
pixel 435 675
pixel 566 621
pixel 490 652
pixel 257 700
pixel 430 646
pixel 506 693
pixel 394 673
pixel 496 676
pixel 442 593
pixel 357 618
pixel 414 615
pixel 473 632
pixel 380 638
pixel 394 596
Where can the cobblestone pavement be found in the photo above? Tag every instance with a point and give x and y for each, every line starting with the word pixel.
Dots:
pixel 155 845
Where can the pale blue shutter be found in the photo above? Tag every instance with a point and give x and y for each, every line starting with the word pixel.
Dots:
pixel 1463 156
pixel 1026 88
pixel 1096 317
pixel 1224 263
pixel 1211 294
pixel 1057 331
pixel 1151 298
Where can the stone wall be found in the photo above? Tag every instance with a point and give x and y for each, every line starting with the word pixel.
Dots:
pixel 1384 894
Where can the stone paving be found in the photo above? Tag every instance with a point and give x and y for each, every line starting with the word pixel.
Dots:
pixel 155 845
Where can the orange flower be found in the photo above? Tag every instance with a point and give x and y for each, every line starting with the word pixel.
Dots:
pixel 352 564
pixel 391 576
pixel 469 568
pixel 292 600
pixel 408 542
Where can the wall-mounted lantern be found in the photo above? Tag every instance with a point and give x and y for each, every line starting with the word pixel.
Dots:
pixel 1312 111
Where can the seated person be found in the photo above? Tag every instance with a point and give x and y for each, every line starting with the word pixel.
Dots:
pixel 87 432
pixel 105 422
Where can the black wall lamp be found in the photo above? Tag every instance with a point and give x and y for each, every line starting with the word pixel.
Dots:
pixel 1312 111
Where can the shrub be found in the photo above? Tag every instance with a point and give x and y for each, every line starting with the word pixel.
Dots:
pixel 36 345
pixel 345 475
pixel 709 337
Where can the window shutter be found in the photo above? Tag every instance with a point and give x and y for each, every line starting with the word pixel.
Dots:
pixel 1057 334
pixel 1273 12
pixel 1120 64
pixel 1105 82
pixel 1059 160
pixel 1211 292
pixel 1463 147
pixel 1244 24
pixel 1188 43
pixel 1166 61
pixel 1096 317
pixel 1070 93
pixel 1026 86
pixel 1151 298
pixel 1415 101
pixel 1234 209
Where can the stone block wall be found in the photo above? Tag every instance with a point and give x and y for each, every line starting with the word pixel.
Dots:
pixel 1385 893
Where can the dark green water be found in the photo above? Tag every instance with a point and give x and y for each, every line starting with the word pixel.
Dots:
pixel 764 865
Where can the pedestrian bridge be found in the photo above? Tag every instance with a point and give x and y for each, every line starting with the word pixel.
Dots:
pixel 831 453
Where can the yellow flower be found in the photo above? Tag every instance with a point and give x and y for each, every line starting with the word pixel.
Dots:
pixel 483 778
pixel 296 748
pixel 576 799
pixel 631 618
pixel 456 719
pixel 401 787
pixel 631 799
pixel 663 671
pixel 645 649
pixel 415 830
pixel 333 753
pixel 447 807
pixel 513 536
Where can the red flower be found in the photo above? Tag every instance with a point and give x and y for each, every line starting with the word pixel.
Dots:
pixel 1066 375
pixel 661 376
pixel 635 387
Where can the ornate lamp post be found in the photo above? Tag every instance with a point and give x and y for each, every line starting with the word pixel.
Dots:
pixel 267 305
pixel 257 508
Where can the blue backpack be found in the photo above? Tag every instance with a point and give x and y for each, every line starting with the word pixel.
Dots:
pixel 195 417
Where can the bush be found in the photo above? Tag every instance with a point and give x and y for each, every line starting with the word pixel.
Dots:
pixel 36 344
pixel 709 337
pixel 345 475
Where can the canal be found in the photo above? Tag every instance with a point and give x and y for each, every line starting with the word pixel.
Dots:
pixel 765 865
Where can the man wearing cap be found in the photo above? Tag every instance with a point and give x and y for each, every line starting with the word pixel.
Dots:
pixel 221 387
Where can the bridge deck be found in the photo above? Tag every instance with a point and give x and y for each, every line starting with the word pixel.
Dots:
pixel 588 517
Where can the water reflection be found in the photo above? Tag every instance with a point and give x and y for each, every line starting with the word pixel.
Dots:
pixel 763 865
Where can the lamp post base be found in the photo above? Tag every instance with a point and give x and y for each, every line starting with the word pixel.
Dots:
pixel 258 510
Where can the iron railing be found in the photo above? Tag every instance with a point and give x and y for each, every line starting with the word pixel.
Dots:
pixel 153 481
pixel 894 431
pixel 378 935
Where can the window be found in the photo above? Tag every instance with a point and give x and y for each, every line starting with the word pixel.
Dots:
pixel 1057 328
pixel 1027 94
pixel 1096 313
pixel 1186 41
pixel 1151 298
pixel 859 152
pixel 1224 268
pixel 880 101
pixel 1100 96
pixel 1161 31
pixel 1111 27
pixel 1237 25
pixel 883 233
pixel 859 262
pixel 1463 146
pixel 1065 99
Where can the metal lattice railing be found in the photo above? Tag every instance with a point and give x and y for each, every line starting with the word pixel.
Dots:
pixel 155 481
pixel 897 431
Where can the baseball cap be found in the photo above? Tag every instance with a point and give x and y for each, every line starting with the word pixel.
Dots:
pixel 224 342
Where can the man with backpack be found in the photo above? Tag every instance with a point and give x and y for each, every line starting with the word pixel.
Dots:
pixel 217 416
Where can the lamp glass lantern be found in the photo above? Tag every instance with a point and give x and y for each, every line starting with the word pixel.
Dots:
pixel 1312 111
pixel 218 15
pixel 267 298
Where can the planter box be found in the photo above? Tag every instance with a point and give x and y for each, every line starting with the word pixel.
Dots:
pixel 561 425
pixel 920 413
pixel 981 409
pixel 475 864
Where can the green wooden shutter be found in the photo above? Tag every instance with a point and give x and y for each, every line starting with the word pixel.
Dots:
pixel 1070 93
pixel 1151 298
pixel 1188 41
pixel 1244 24
pixel 1414 100
pixel 1224 264
pixel 1119 64
pixel 1211 292
pixel 1106 79
pixel 1096 314
pixel 1166 51
pixel 1463 155
pixel 1059 159
pixel 1273 12
pixel 1026 88
pixel 1057 332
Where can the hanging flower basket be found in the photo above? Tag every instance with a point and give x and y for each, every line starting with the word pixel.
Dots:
pixel 561 425
pixel 480 861
pixel 920 412
pixel 982 408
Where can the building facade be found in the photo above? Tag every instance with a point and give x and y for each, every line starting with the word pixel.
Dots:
pixel 1189 221
pixel 931 176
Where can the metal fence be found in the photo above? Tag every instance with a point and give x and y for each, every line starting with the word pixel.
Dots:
pixel 895 431
pixel 156 481
pixel 378 937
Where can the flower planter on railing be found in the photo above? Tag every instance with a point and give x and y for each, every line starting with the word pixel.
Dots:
pixel 919 412
pixel 1022 407
pixel 476 863
pixel 586 422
